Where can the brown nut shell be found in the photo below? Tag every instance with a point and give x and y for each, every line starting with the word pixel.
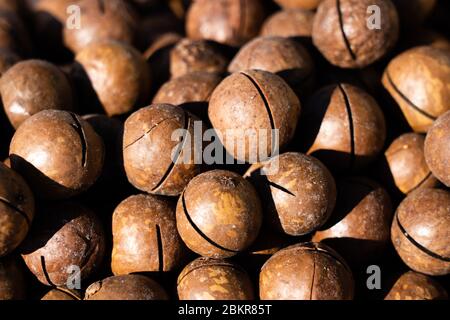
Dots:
pixel 420 231
pixel 306 271
pixel 62 294
pixel 211 279
pixel 218 214
pixel 416 286
pixel 302 4
pixel 127 287
pixel 295 23
pixel 12 280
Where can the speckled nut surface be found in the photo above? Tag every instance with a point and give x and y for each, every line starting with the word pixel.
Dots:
pixel 282 56
pixel 101 20
pixel 406 161
pixel 118 74
pixel 299 195
pixel 289 23
pixel 437 148
pixel 415 286
pixel 408 77
pixel 343 126
pixel 218 214
pixel 7 59
pixel 420 231
pixel 341 34
pixel 62 294
pixel 195 56
pixel 153 161
pixel 12 281
pixel 145 237
pixel 58 153
pixel 306 271
pixel 359 228
pixel 231 22
pixel 65 234
pixel 211 279
pixel 31 86
pixel 127 287
pixel 16 209
pixel 302 4
pixel 245 105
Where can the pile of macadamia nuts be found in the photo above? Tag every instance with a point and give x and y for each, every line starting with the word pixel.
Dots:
pixel 109 189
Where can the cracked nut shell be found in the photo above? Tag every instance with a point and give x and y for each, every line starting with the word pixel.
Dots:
pixel 407 78
pixel 211 279
pixel 416 286
pixel 145 237
pixel 126 287
pixel 297 191
pixel 341 34
pixel 247 104
pixel 16 209
pixel 306 271
pixel 58 153
pixel 65 234
pixel 420 231
pixel 150 162
pixel 294 23
pixel 31 86
pixel 218 214
pixel 12 280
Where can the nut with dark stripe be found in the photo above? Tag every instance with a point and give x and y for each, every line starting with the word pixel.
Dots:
pixel 145 236
pixel 421 231
pixel 16 209
pixel 211 279
pixel 65 235
pixel 218 214
pixel 408 77
pixel 58 153
pixel 343 126
pixel 299 195
pixel 247 107
pixel 306 271
pixel 154 161
pixel 416 286
pixel 342 35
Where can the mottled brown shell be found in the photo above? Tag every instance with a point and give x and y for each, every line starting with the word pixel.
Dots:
pixel 246 107
pixel 418 80
pixel 306 271
pixel 218 214
pixel 359 228
pixel 211 279
pixel 145 237
pixel 118 74
pixel 127 287
pixel 62 294
pixel 437 148
pixel 65 235
pixel 154 162
pixel 289 23
pixel 406 160
pixel 58 153
pixel 302 4
pixel 12 280
pixel 421 231
pixel 415 286
pixel 16 209
pixel 231 22
pixel 341 34
pixel 32 86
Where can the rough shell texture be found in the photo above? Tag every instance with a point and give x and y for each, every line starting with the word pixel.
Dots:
pixel 246 106
pixel 61 294
pixel 408 77
pixel 32 86
pixel 145 236
pixel 415 286
pixel 12 281
pixel 303 4
pixel 16 209
pixel 65 235
pixel 58 153
pixel 118 74
pixel 341 34
pixel 211 279
pixel 437 148
pixel 306 271
pixel 154 162
pixel 421 231
pixel 218 214
pixel 289 23
pixel 127 287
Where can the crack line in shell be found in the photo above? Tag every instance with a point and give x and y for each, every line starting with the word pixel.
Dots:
pixel 351 125
pixel 341 26
pixel 16 209
pixel 79 129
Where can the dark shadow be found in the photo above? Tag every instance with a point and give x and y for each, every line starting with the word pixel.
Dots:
pixel 87 99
